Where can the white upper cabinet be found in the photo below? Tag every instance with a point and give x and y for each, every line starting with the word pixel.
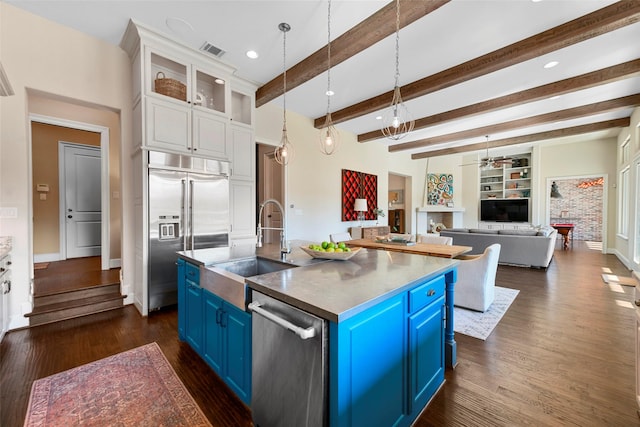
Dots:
pixel 196 86
pixel 243 153
pixel 187 99
pixel 186 108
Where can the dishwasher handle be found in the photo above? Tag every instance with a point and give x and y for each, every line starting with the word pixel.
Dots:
pixel 303 333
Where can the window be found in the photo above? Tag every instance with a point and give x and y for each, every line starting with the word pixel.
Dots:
pixel 623 203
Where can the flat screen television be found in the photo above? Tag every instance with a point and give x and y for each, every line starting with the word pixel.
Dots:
pixel 508 210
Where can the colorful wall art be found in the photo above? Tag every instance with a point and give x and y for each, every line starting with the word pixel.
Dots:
pixel 358 185
pixel 439 188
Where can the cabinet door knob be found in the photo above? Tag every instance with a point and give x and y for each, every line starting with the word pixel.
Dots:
pixel 431 292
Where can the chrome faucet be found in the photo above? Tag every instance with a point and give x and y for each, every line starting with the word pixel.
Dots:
pixel 284 247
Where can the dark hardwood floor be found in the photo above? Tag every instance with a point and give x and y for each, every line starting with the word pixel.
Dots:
pixel 72 274
pixel 564 354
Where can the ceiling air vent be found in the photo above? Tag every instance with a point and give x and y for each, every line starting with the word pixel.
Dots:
pixel 215 51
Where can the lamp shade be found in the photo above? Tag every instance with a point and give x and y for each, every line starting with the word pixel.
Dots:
pixel 360 205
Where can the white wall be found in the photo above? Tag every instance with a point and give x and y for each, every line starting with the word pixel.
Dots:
pixel 40 56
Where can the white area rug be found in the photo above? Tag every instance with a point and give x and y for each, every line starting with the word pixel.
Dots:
pixel 480 325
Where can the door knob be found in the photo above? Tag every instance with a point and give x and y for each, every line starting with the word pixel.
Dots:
pixel 69 216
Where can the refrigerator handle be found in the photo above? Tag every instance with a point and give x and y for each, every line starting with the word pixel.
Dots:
pixel 191 236
pixel 183 223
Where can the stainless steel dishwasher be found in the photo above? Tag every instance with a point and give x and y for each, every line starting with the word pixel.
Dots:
pixel 289 365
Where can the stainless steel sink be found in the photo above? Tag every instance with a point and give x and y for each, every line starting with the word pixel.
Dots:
pixel 227 279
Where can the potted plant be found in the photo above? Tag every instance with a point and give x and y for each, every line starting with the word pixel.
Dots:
pixel 379 212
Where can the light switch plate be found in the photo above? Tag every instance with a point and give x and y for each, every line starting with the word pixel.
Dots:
pixel 8 212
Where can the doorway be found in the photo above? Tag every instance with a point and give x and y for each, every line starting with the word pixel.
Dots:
pixel 399 198
pixel 270 183
pixel 582 201
pixel 48 210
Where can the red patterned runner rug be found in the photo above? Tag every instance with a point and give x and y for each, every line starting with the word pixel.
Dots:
pixel 133 388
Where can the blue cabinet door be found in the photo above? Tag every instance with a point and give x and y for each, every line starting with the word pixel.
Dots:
pixel 193 316
pixel 212 346
pixel 426 353
pixel 368 385
pixel 182 289
pixel 237 325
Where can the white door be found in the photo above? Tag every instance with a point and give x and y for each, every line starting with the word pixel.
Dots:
pixel 271 216
pixel 82 200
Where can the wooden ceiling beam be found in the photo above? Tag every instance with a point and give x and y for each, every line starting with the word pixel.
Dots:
pixel 554 116
pixel 364 35
pixel 562 87
pixel 610 18
pixel 524 139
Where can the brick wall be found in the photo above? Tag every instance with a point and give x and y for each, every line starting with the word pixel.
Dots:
pixel 580 206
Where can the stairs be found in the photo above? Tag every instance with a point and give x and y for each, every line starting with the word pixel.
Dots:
pixel 53 307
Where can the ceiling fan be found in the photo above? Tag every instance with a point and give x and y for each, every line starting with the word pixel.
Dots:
pixel 489 162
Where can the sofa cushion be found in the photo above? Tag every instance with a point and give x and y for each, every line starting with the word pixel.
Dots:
pixel 545 231
pixel 483 231
pixel 531 232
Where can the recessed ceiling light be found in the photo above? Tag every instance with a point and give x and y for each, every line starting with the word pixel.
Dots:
pixel 329 93
pixel 219 81
pixel 378 117
pixel 252 54
pixel 551 64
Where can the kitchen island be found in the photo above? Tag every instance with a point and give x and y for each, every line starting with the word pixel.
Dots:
pixel 385 319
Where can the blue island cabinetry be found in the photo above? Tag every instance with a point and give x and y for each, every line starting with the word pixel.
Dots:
pixel 217 330
pixel 388 361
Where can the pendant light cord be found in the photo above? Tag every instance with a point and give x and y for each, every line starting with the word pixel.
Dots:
pixel 329 58
pixel 397 42
pixel 284 76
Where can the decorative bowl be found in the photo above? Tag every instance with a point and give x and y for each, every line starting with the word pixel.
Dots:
pixel 343 256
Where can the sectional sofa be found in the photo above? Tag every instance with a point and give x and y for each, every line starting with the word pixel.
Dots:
pixel 528 248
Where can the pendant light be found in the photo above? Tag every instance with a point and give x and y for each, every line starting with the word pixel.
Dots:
pixel 396 120
pixel 329 136
pixel 284 152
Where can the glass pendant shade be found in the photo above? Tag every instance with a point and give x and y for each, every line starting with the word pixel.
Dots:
pixel 396 120
pixel 329 137
pixel 284 152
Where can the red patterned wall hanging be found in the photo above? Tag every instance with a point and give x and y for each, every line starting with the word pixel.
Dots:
pixel 358 185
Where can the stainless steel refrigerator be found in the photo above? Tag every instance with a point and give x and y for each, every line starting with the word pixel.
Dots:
pixel 188 209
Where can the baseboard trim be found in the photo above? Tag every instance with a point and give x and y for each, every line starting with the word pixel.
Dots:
pixel 47 257
pixel 624 260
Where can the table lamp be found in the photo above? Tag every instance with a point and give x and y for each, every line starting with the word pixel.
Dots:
pixel 360 206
